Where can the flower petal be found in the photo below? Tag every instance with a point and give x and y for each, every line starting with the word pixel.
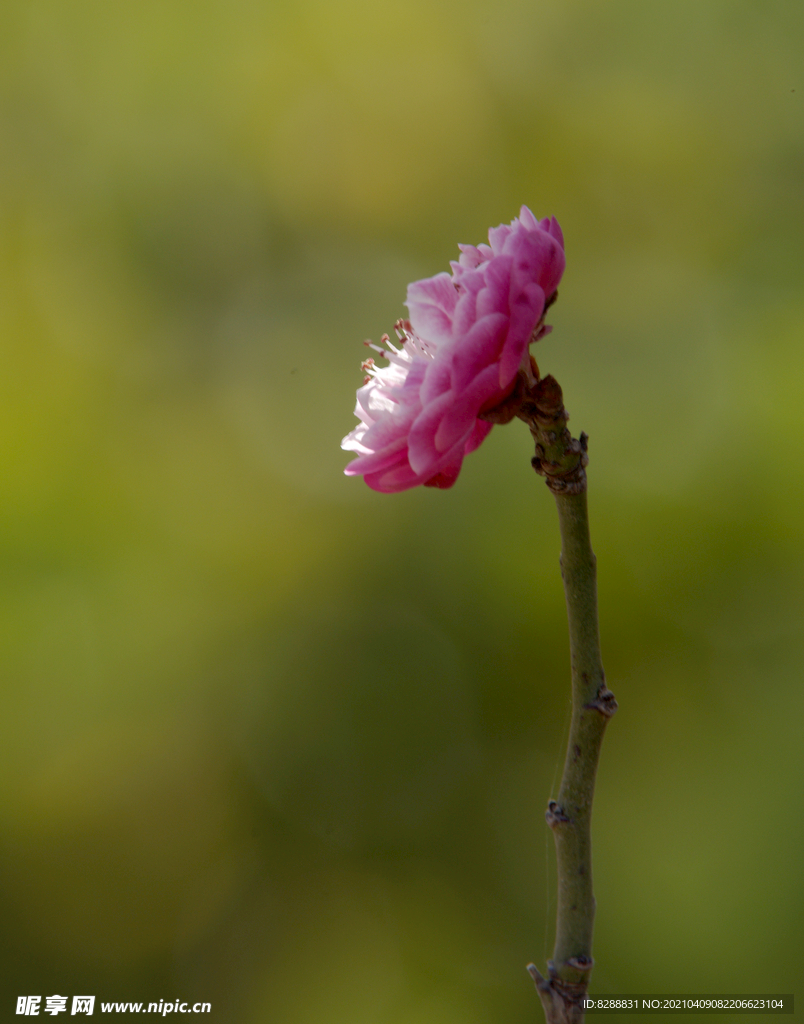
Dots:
pixel 481 346
pixel 431 303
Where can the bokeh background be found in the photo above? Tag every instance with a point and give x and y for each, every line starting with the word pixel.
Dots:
pixel 271 740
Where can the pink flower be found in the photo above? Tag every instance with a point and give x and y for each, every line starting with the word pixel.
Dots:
pixel 467 339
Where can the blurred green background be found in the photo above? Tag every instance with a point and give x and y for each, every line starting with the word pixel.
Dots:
pixel 275 741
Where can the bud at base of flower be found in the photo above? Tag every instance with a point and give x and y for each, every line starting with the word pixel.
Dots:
pixel 560 458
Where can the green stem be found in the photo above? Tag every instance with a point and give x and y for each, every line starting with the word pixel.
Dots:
pixel 562 460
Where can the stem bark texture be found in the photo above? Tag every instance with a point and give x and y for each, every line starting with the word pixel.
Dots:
pixel 562 460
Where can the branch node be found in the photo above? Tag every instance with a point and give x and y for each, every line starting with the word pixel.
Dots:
pixel 554 815
pixel 563 1001
pixel 575 483
pixel 605 701
pixel 581 963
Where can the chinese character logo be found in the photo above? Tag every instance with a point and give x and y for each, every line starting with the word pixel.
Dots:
pixel 55 1004
pixel 83 1004
pixel 29 1005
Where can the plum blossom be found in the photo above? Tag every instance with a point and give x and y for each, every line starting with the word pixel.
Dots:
pixel 466 341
